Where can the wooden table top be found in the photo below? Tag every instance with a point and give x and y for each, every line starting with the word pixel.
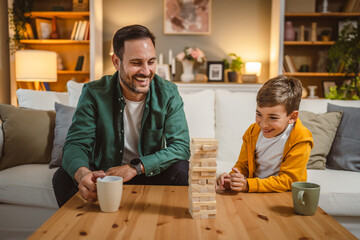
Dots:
pixel 162 212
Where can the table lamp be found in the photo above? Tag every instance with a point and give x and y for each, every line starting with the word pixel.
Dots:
pixel 252 72
pixel 35 66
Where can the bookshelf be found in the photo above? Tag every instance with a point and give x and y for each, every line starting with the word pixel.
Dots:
pixel 312 53
pixel 68 50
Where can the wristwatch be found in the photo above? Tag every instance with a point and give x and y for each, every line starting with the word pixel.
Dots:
pixel 136 163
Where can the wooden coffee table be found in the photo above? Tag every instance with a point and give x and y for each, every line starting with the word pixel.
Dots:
pixel 162 212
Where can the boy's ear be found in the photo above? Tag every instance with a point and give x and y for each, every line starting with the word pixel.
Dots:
pixel 116 61
pixel 293 117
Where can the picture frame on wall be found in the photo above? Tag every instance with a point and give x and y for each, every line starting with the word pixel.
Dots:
pixel 215 71
pixel 327 85
pixel 190 17
pixel 43 28
pixel 163 70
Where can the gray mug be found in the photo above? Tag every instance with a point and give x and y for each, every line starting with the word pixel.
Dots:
pixel 305 197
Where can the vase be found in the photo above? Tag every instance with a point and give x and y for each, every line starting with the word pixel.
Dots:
pixel 289 31
pixel 187 75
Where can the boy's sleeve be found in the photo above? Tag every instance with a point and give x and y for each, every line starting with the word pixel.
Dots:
pixel 242 162
pixel 292 169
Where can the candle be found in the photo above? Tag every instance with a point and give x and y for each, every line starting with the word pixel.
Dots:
pixel 170 57
pixel 161 58
pixel 173 66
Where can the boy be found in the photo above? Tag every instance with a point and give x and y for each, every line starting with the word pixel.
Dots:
pixel 277 147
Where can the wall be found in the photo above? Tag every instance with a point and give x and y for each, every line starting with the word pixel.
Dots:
pixel 4 55
pixel 238 26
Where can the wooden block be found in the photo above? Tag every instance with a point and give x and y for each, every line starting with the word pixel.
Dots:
pixel 203 169
pixel 202 178
pixel 204 141
pixel 203 154
pixel 203 214
pixel 202 188
pixel 203 147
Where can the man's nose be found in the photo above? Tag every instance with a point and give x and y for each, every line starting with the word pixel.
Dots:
pixel 145 69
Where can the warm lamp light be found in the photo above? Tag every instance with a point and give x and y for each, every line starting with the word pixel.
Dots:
pixel 253 68
pixel 36 66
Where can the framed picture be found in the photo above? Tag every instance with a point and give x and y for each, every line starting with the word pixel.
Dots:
pixel 327 85
pixel 190 17
pixel 215 71
pixel 43 28
pixel 343 24
pixel 163 70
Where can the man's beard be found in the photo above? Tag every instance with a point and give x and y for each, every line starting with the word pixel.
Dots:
pixel 130 85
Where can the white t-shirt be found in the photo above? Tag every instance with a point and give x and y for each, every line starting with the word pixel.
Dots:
pixel 269 153
pixel 133 113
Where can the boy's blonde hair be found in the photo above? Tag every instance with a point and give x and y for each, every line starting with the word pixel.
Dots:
pixel 283 90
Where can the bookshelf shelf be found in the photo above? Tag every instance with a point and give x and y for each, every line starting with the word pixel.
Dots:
pixel 324 15
pixel 67 72
pixel 54 41
pixel 59 14
pixel 314 74
pixel 308 43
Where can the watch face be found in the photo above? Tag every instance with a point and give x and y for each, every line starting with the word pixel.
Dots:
pixel 135 161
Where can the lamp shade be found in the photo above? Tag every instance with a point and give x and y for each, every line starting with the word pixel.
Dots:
pixel 35 66
pixel 253 68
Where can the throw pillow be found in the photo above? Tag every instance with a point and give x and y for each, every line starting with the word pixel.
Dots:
pixel 74 89
pixel 63 121
pixel 41 100
pixel 28 135
pixel 323 128
pixel 345 151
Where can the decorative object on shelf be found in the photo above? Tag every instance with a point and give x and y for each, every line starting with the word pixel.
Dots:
pixel 322 61
pixel 289 31
pixel 161 59
pixel 54 34
pixel 163 70
pixel 235 67
pixel 59 61
pixel 302 33
pixel 252 72
pixel 344 53
pixel 304 93
pixel 80 5
pixel 187 17
pixel 327 85
pixel 201 77
pixel 325 35
pixel 304 68
pixel 188 57
pixel 43 28
pixel 17 22
pixel 215 71
pixel 313 32
pixel 312 89
pixel 300 6
pixel 325 6
pixel 35 66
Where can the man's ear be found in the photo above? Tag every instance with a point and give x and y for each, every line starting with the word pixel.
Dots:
pixel 116 61
pixel 293 117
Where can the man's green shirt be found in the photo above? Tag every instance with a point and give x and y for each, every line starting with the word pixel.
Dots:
pixel 96 135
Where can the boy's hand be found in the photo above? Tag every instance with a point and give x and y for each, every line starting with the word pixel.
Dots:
pixel 237 181
pixel 223 182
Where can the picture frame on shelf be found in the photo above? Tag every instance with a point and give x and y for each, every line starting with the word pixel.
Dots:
pixel 163 70
pixel 80 5
pixel 342 24
pixel 326 86
pixel 215 71
pixel 43 28
pixel 190 18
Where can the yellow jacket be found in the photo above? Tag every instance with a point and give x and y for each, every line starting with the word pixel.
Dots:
pixel 293 166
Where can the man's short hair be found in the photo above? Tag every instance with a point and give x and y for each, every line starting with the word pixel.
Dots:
pixel 283 90
pixel 131 32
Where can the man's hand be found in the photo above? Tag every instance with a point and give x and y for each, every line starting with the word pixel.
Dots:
pixel 87 180
pixel 223 182
pixel 238 182
pixel 125 171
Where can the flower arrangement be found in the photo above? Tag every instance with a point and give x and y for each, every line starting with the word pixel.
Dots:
pixel 191 54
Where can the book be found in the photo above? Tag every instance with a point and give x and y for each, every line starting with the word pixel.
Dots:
pixel 74 30
pixel 29 32
pixel 290 63
pixel 46 86
pixel 80 37
pixel 77 33
pixel 86 34
pixel 79 63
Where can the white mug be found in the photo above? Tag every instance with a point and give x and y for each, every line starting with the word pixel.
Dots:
pixel 109 191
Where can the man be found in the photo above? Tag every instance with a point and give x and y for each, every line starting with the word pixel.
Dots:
pixel 131 124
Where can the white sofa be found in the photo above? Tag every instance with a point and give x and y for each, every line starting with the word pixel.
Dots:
pixel 26 190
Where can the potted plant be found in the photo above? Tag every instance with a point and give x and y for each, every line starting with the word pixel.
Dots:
pixel 18 19
pixel 234 66
pixel 345 55
pixel 325 35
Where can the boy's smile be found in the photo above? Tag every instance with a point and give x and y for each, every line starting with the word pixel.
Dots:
pixel 274 120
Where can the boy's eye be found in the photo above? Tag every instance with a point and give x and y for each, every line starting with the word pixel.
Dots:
pixel 274 118
pixel 258 114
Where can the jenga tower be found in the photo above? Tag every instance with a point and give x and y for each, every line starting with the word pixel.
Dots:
pixel 202 177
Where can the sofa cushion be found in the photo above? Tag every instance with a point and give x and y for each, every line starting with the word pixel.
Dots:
pixel 200 114
pixel 74 89
pixel 234 113
pixel 28 135
pixel 63 121
pixel 28 184
pixel 339 193
pixel 41 100
pixel 345 151
pixel 320 105
pixel 323 128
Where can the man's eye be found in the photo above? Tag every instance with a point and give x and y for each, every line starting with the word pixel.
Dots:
pixel 151 62
pixel 136 63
